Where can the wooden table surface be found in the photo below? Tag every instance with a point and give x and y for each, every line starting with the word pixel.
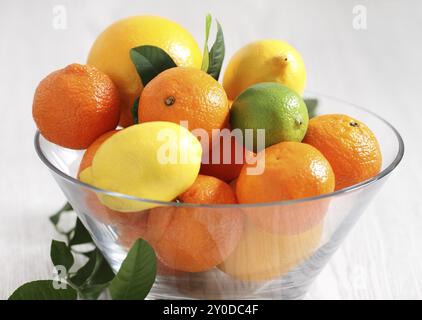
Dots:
pixel 378 67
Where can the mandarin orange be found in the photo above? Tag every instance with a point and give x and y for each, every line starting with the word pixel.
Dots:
pixel 208 190
pixel 293 170
pixel 185 94
pixel 74 106
pixel 195 239
pixel 348 144
pixel 229 162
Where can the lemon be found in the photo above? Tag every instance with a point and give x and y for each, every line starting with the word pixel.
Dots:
pixel 270 106
pixel 110 53
pixel 261 255
pixel 153 160
pixel 264 61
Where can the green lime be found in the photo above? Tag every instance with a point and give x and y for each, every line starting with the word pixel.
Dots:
pixel 281 112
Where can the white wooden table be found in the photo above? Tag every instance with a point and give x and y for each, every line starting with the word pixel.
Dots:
pixel 379 68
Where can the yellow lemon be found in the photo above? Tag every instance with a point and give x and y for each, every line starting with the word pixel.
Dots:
pixel 261 255
pixel 264 61
pixel 153 160
pixel 110 53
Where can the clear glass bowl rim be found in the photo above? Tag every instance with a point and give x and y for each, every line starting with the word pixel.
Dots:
pixel 352 188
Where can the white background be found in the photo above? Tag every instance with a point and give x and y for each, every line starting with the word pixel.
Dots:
pixel 379 68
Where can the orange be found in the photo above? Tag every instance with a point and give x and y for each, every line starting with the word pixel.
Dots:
pixel 137 229
pixel 195 239
pixel 293 170
pixel 233 185
pixel 225 167
pixel 209 190
pixel 185 94
pixel 92 149
pixel 74 106
pixel 349 145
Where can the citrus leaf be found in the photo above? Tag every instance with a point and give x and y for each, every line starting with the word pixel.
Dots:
pixel 94 276
pixel 80 234
pixel 55 218
pixel 82 275
pixel 135 107
pixel 136 275
pixel 61 255
pixel 42 290
pixel 312 105
pixel 206 55
pixel 150 61
pixel 102 272
pixel 92 292
pixel 217 53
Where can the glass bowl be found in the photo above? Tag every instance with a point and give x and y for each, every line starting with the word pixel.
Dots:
pixel 258 251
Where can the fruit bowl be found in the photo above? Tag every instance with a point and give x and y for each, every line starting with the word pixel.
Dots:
pixel 256 251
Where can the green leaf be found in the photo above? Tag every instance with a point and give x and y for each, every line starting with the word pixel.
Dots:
pixel 136 275
pixel 61 255
pixel 206 55
pixel 92 292
pixel 312 105
pixel 135 107
pixel 93 277
pixel 102 272
pixel 80 234
pixel 55 218
pixel 42 290
pixel 217 53
pixel 94 274
pixel 82 275
pixel 150 61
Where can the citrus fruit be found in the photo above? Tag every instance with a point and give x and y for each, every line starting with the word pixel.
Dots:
pixel 155 160
pixel 349 145
pixel 273 107
pixel 233 185
pixel 108 216
pixel 185 94
pixel 92 203
pixel 110 53
pixel 224 159
pixel 73 106
pixel 264 61
pixel 288 218
pixel 261 255
pixel 293 170
pixel 195 239
pixel 208 190
pixel 137 229
pixel 92 150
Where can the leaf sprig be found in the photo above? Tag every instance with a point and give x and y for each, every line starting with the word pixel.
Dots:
pixel 133 281
pixel 212 60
